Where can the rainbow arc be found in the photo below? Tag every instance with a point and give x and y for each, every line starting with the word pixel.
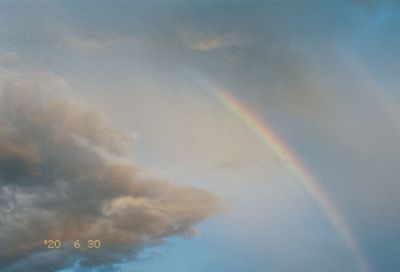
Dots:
pixel 273 141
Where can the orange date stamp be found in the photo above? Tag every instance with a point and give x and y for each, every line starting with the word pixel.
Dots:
pixel 77 244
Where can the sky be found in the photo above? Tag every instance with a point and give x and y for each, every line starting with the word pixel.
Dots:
pixel 212 136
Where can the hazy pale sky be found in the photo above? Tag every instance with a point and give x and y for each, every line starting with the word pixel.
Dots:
pixel 120 96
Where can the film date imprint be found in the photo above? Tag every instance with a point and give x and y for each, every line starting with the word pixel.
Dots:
pixel 57 244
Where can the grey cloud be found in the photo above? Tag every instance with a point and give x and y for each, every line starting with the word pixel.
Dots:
pixel 58 180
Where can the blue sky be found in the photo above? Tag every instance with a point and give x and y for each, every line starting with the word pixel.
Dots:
pixel 324 74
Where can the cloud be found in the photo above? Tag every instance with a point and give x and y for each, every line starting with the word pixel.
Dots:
pixel 85 43
pixel 57 181
pixel 235 163
pixel 8 56
pixel 208 41
pixel 84 40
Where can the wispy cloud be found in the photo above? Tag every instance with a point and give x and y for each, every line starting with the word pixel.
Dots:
pixel 208 41
pixel 235 163
pixel 9 56
pixel 87 43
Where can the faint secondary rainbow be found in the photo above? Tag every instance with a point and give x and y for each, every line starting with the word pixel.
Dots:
pixel 274 142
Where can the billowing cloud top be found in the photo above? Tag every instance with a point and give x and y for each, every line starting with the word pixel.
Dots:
pixel 60 179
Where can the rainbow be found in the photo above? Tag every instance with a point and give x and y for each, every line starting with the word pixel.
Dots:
pixel 272 140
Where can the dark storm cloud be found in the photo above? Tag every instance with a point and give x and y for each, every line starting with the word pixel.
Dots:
pixel 60 178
